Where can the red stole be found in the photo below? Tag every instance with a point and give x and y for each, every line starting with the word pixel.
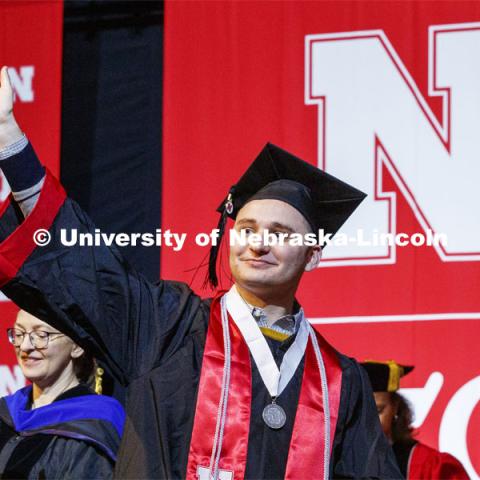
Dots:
pixel 305 458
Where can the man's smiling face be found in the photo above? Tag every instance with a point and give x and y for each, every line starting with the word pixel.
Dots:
pixel 262 266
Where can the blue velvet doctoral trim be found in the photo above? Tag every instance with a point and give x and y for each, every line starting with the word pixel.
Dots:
pixel 85 407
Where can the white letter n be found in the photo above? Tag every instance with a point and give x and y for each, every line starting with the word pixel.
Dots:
pixel 371 113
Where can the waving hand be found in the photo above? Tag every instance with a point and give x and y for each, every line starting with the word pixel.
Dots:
pixel 9 130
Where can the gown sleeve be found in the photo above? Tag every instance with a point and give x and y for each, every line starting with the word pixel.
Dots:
pixel 90 292
pixel 360 448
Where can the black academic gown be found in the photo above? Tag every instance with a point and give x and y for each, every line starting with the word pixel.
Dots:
pixel 152 336
pixel 88 452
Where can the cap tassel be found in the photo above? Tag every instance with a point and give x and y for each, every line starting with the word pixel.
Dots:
pixel 212 279
pixel 98 380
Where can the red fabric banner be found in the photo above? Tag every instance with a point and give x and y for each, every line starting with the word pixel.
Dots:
pixel 32 47
pixel 384 95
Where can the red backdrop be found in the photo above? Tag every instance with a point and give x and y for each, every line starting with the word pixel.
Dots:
pixel 31 46
pixel 385 95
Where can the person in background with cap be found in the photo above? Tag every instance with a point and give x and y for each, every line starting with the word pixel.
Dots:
pixel 416 460
pixel 238 386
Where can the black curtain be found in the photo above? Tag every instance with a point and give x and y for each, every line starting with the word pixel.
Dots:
pixel 111 117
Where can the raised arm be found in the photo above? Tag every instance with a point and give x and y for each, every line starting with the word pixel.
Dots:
pixel 90 292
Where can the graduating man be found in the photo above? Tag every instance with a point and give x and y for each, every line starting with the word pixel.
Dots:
pixel 239 386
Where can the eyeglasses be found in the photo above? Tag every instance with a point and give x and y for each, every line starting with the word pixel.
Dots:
pixel 38 338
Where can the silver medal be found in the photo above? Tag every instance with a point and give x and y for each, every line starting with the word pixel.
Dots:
pixel 274 416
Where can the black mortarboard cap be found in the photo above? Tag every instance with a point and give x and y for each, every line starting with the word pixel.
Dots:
pixel 325 201
pixel 385 376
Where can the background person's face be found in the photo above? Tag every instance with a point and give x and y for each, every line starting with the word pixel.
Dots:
pixel 266 266
pixel 386 410
pixel 43 366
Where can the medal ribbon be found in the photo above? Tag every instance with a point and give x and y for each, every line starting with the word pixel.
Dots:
pixel 305 459
pixel 275 380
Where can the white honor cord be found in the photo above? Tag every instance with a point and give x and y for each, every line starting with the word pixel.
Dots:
pixel 326 404
pixel 222 407
pixel 275 380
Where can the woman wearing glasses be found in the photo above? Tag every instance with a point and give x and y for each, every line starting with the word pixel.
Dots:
pixel 57 427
